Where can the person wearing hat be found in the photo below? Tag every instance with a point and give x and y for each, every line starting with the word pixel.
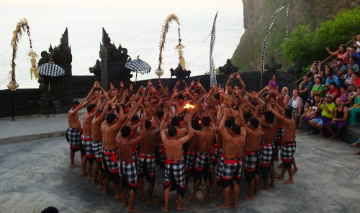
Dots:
pixel 327 113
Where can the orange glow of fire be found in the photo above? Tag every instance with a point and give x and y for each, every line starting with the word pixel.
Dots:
pixel 189 106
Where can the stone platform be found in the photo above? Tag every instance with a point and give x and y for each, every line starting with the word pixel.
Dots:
pixel 36 174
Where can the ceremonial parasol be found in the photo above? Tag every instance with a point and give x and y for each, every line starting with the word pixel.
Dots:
pixel 51 70
pixel 138 65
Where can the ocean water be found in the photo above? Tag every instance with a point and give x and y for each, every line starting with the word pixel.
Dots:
pixel 135 25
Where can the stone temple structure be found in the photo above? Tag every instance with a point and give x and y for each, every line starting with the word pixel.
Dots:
pixel 56 93
pixel 111 68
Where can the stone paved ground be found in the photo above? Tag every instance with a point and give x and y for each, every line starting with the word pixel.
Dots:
pixel 35 174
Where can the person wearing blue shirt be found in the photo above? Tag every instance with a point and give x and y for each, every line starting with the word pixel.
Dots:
pixel 332 78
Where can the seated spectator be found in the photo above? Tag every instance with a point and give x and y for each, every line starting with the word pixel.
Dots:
pixel 355 109
pixel 272 83
pixel 337 65
pixel 305 87
pixel 327 108
pixel 332 78
pixel 306 116
pixel 296 103
pixel 356 43
pixel 352 64
pixel 355 80
pixel 340 118
pixel 344 95
pixel 333 90
pixel 315 114
pixel 284 93
pixel 317 88
pixel 341 78
pixel 348 79
pixel 340 53
pixel 355 54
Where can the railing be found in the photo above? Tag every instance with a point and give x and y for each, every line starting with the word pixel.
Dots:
pixel 323 62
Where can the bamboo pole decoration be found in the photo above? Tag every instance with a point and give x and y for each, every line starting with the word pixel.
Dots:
pixel 22 26
pixel 179 47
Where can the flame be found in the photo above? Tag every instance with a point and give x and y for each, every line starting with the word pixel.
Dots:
pixel 189 106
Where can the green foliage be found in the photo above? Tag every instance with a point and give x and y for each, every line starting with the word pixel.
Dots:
pixel 308 46
pixel 217 72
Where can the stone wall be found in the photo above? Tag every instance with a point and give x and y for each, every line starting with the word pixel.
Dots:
pixel 27 100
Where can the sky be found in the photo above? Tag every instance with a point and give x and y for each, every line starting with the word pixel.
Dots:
pixel 136 24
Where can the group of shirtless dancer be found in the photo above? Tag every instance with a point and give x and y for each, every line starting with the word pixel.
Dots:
pixel 126 135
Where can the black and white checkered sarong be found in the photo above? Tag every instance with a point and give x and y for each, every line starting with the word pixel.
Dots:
pixel 203 160
pixel 287 151
pixel 110 161
pixel 250 161
pixel 86 142
pixel 73 137
pixel 176 170
pixel 128 173
pixel 220 168
pixel 146 163
pixel 96 147
pixel 189 160
pixel 231 169
pixel 266 154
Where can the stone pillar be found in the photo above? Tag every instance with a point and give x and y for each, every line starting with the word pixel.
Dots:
pixel 103 53
pixel 63 89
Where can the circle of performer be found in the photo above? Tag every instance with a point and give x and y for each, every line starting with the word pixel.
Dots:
pixel 128 137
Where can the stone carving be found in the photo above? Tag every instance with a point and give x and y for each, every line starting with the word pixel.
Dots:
pixel 272 66
pixel 228 68
pixel 180 73
pixel 96 70
pixel 111 68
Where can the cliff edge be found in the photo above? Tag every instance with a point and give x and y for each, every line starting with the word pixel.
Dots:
pixel 257 15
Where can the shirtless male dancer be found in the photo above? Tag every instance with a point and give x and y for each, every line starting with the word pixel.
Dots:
pixel 147 163
pixel 268 149
pixel 127 168
pixel 192 152
pixel 228 124
pixel 288 146
pixel 73 133
pixel 174 167
pixel 97 141
pixel 110 151
pixel 87 139
pixel 232 162
pixel 251 159
pixel 203 164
